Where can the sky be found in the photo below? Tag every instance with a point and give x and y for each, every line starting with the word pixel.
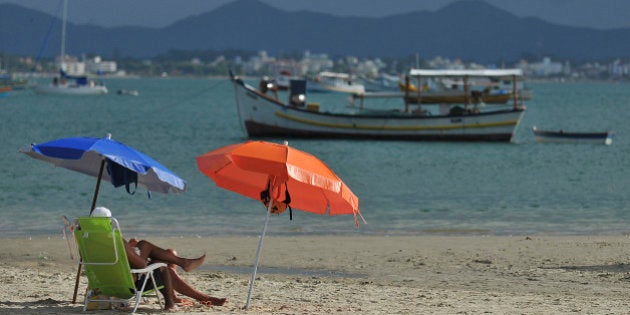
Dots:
pixel 601 14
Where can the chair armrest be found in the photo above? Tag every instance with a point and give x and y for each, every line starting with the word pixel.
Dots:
pixel 149 268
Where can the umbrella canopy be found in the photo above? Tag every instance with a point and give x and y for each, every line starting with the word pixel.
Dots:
pixel 248 168
pixel 85 155
pixel 256 169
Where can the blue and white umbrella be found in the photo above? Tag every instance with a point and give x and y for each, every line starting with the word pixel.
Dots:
pixel 90 156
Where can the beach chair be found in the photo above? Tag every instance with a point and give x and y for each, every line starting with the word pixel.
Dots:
pixel 103 256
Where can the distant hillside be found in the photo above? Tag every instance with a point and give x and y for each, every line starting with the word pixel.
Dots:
pixel 470 30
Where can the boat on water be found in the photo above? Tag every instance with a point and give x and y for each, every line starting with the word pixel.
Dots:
pixel 71 85
pixel 66 84
pixel 561 136
pixel 14 82
pixel 381 82
pixel 5 91
pixel 265 115
pixel 283 78
pixel 128 92
pixel 459 86
pixel 334 82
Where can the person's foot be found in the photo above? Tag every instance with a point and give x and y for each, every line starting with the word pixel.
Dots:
pixel 212 301
pixel 171 308
pixel 194 263
pixel 183 302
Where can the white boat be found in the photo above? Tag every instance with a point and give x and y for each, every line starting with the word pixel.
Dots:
pixel 263 115
pixel 334 82
pixel 382 82
pixel 128 92
pixel 561 136
pixel 283 78
pixel 68 84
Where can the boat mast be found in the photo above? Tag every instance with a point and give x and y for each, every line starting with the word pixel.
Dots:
pixel 514 92
pixel 63 33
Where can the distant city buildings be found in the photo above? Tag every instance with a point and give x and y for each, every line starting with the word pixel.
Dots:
pixel 96 65
pixel 310 64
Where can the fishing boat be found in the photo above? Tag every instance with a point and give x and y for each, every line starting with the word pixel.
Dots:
pixel 66 84
pixel 457 87
pixel 561 136
pixel 265 115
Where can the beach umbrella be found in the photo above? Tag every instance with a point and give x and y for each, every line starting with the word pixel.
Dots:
pixel 92 156
pixel 280 176
pixel 124 165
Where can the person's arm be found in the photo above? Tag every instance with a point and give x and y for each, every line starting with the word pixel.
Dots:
pixel 135 261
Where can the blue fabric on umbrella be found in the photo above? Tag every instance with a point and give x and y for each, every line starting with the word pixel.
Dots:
pixel 85 155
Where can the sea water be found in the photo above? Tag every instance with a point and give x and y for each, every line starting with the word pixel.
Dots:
pixel 405 188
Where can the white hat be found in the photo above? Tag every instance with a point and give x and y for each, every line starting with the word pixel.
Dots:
pixel 101 212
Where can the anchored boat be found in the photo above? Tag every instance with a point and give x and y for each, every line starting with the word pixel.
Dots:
pixel 561 136
pixel 263 114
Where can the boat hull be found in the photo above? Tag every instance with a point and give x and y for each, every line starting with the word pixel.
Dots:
pixel 70 90
pixel 573 137
pixel 263 116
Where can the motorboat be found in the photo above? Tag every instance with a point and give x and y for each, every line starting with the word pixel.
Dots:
pixel 334 82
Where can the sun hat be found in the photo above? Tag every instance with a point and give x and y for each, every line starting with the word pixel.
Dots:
pixel 101 212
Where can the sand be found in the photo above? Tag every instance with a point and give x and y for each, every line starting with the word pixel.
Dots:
pixel 357 274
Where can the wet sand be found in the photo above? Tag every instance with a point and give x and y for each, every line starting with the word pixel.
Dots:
pixel 357 274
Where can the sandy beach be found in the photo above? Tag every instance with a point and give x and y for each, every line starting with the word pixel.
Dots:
pixel 357 274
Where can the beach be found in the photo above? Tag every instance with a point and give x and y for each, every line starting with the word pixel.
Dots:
pixel 539 274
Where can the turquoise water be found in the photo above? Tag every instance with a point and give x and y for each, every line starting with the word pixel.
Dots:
pixel 404 187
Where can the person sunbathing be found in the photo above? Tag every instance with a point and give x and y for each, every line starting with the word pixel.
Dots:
pixel 142 253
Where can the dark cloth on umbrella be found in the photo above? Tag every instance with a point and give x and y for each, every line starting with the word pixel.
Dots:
pixel 121 175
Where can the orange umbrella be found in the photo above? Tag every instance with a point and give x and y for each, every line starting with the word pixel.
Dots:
pixel 290 177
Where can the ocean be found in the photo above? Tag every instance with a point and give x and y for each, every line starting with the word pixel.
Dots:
pixel 405 188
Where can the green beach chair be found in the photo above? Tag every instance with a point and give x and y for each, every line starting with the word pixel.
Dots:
pixel 103 256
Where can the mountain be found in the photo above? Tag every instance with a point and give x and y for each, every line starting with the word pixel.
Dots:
pixel 469 29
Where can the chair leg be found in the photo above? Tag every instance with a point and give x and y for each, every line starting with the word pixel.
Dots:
pixel 157 291
pixel 88 295
pixel 138 297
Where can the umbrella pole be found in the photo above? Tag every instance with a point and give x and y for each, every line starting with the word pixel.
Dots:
pixel 98 186
pixel 258 250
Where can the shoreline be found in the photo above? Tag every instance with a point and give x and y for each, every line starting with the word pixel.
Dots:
pixel 365 274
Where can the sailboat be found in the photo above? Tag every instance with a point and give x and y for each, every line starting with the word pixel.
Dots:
pixel 66 84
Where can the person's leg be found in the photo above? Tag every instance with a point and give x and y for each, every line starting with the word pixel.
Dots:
pixel 186 289
pixel 167 290
pixel 149 250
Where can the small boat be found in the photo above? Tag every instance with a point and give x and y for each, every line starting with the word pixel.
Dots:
pixel 382 82
pixel 282 80
pixel 128 92
pixel 71 85
pixel 263 114
pixel 14 82
pixel 5 91
pixel 334 82
pixel 561 136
